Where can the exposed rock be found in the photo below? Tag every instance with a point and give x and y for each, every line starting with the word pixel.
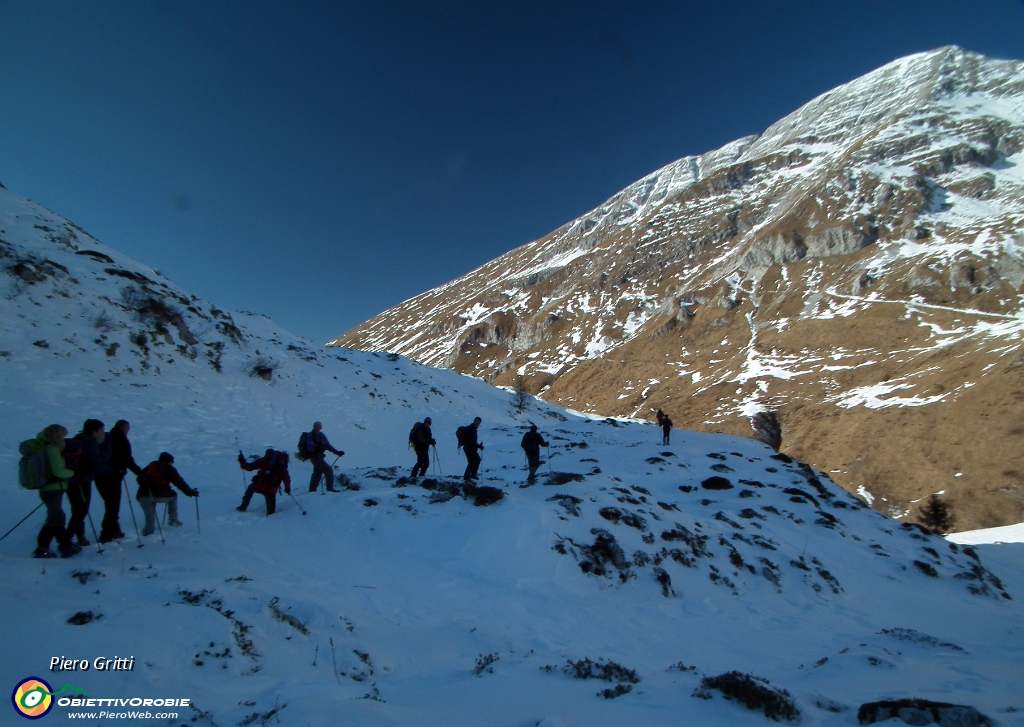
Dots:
pixel 921 712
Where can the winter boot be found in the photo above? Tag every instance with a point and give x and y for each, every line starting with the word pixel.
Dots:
pixel 44 553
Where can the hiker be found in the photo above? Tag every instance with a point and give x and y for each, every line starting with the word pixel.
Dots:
pixel 316 446
pixel 531 444
pixel 660 417
pixel 51 442
pixel 421 438
pixel 666 427
pixel 467 440
pixel 118 451
pixel 273 470
pixel 155 488
pixel 82 455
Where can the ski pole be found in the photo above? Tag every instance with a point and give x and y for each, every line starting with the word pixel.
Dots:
pixel 132 510
pixel 296 503
pixel 23 520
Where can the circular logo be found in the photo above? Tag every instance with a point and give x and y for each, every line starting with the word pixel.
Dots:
pixel 32 698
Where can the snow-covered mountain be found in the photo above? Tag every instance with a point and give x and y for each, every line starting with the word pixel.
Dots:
pixel 857 267
pixel 605 594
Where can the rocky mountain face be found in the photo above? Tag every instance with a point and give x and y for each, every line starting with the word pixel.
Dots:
pixel 858 268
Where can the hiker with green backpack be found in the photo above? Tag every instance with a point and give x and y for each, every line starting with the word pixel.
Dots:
pixel 42 469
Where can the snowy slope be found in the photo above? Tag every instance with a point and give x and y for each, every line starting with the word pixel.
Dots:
pixel 379 606
pixel 857 267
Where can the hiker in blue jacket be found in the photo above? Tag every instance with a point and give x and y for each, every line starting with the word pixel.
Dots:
pixel 316 446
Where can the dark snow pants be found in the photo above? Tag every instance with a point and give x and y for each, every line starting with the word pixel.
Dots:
pixel 472 463
pixel 79 497
pixel 533 460
pixel 54 525
pixel 109 489
pixel 320 469
pixel 271 499
pixel 422 460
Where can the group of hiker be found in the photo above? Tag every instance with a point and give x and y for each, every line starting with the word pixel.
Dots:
pixel 421 439
pixel 55 465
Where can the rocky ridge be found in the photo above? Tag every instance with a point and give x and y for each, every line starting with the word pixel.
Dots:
pixel 857 268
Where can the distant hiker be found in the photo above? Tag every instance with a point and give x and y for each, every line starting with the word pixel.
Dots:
pixel 421 438
pixel 82 454
pixel 467 440
pixel 50 442
pixel 118 451
pixel 155 488
pixel 666 428
pixel 316 446
pixel 531 444
pixel 659 416
pixel 273 470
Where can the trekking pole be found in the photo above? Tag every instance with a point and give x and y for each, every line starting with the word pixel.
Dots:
pixel 437 460
pixel 296 503
pixel 157 518
pixel 324 479
pixel 23 520
pixel 81 493
pixel 99 545
pixel 198 522
pixel 549 457
pixel 132 510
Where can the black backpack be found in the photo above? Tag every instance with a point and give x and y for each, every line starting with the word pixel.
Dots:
pixel 303 454
pixel 412 433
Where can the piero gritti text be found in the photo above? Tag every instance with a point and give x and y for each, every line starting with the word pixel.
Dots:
pixel 100 663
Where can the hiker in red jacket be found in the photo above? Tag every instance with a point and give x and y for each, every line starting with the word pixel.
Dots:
pixel 155 488
pixel 273 470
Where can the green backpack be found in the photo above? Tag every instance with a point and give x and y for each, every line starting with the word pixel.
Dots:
pixel 32 469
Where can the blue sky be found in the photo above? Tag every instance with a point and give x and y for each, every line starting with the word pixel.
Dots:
pixel 322 161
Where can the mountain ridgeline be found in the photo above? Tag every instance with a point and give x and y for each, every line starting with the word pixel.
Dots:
pixel 858 268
